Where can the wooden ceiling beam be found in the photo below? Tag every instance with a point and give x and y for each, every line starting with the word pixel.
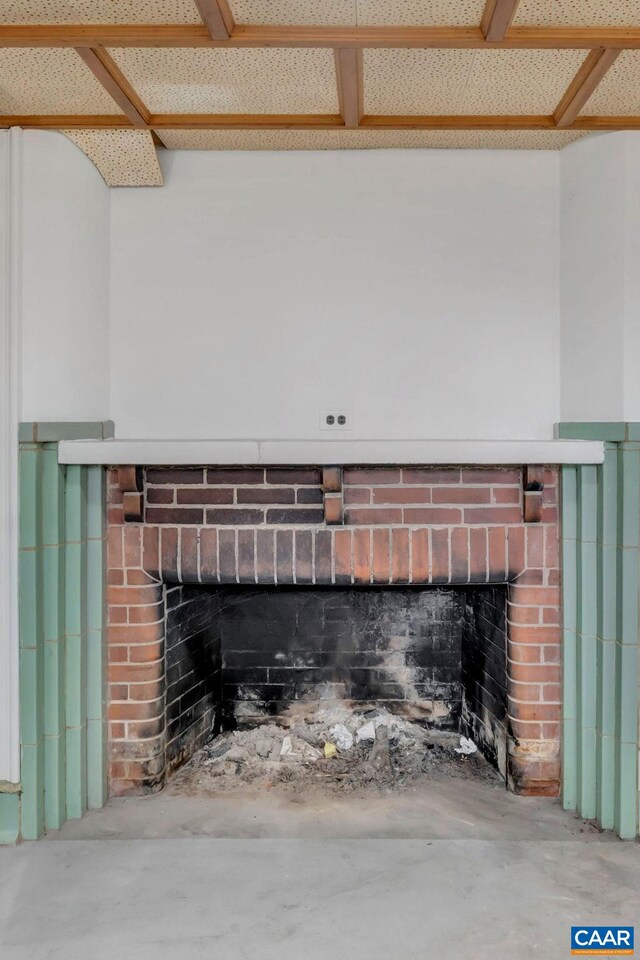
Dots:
pixel 217 17
pixel 314 121
pixel 115 83
pixel 497 17
pixel 595 66
pixel 349 76
pixel 196 35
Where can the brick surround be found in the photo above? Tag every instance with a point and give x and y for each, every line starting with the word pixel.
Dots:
pixel 453 525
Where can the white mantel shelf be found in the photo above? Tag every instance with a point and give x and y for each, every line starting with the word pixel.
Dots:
pixel 323 452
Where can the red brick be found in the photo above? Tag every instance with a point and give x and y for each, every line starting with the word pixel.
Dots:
pixel 460 555
pixel 144 691
pixel 269 495
pixel 115 553
pixel 160 495
pixel 304 556
pixel 515 551
pixel 510 475
pixel 550 731
pixel 206 495
pixel 524 730
pixel 188 555
pixel 400 556
pixel 533 634
pixel 306 495
pixel 401 494
pixel 323 556
pixel 265 565
pixel 520 710
pixel 524 652
pixel 533 672
pixel 151 613
pixel 523 615
pixel 550 615
pixel 525 691
pixel 117 614
pixel 420 556
pixel 231 476
pixel 505 495
pixel 148 593
pixel 137 673
pixel 138 578
pixel 294 475
pixel 343 555
pixel 169 553
pixel 497 547
pixel 118 691
pixel 551 547
pixel 284 555
pixel 208 555
pixel 430 475
pixel 332 479
pixel 361 556
pixel 552 693
pixel 367 516
pixel 432 515
pixel 115 577
pixel 134 633
pixel 461 494
pixel 234 516
pixel 145 652
pixel 491 514
pixel 478 555
pixel 551 653
pixel 173 515
pixel 440 567
pixel 306 515
pixel 354 495
pixel 163 475
pixel 246 557
pixel 115 516
pixel 381 544
pixel 151 550
pixel 366 475
pixel 117 654
pixel 534 595
pixel 132 710
pixel 535 546
pixel 227 570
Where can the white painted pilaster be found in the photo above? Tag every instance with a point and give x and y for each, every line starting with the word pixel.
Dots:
pixel 10 314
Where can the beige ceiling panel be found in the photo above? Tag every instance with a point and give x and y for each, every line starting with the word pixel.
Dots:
pixel 251 139
pixel 284 80
pixel 519 81
pixel 98 11
pixel 291 12
pixel 125 158
pixel 43 80
pixel 420 12
pixel 415 81
pixel 457 139
pixel 578 13
pixel 618 93
pixel 179 80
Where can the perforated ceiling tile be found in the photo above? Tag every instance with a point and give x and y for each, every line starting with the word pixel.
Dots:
pixel 519 81
pixel 284 80
pixel 578 13
pixel 251 139
pixel 125 158
pixel 420 12
pixel 618 93
pixel 323 12
pixel 415 81
pixel 44 80
pixel 457 139
pixel 98 11
pixel 181 80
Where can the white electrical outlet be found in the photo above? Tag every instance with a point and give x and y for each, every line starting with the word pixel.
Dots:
pixel 336 419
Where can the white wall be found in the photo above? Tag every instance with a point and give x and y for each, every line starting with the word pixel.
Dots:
pixel 417 289
pixel 65 283
pixel 600 278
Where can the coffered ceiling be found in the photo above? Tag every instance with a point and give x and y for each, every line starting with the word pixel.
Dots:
pixel 124 78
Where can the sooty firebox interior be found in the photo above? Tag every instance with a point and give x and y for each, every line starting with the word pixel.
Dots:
pixel 239 655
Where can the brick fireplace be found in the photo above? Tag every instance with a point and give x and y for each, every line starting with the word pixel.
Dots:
pixel 444 583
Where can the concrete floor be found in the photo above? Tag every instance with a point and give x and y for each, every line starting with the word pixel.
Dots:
pixel 455 869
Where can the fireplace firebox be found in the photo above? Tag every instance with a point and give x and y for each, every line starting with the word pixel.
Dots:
pixel 238 595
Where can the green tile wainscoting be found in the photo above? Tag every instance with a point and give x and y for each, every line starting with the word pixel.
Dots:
pixel 62 653
pixel 601 592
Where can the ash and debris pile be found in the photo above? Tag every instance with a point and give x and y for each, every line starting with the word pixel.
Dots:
pixel 340 748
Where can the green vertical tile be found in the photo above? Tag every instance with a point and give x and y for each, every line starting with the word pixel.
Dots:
pixel 626 818
pixel 32 800
pixel 569 658
pixel 627 693
pixel 76 639
pixel 9 817
pixel 629 496
pixel 31 695
pixel 587 624
pixel 30 467
pixel 97 783
pixel 55 788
